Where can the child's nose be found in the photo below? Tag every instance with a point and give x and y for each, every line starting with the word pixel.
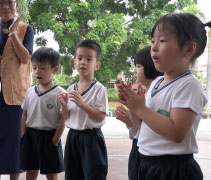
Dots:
pixel 83 61
pixel 154 46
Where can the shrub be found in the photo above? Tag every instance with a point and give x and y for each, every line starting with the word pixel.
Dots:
pixel 112 94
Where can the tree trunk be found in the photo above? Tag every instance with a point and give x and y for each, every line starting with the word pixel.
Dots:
pixel 209 72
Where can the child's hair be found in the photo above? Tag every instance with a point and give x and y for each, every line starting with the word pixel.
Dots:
pixel 44 54
pixel 143 57
pixel 88 43
pixel 187 28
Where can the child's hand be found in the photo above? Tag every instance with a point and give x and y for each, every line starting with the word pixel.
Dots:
pixel 122 114
pixel 120 86
pixel 55 141
pixel 63 98
pixel 76 98
pixel 131 99
pixel 22 133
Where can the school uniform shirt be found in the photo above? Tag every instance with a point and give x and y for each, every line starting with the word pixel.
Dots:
pixel 185 91
pixel 134 132
pixel 94 95
pixel 43 108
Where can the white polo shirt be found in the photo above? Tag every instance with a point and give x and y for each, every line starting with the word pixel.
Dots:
pixel 43 108
pixel 96 96
pixel 134 132
pixel 185 91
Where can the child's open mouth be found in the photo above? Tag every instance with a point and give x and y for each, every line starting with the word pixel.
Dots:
pixel 38 78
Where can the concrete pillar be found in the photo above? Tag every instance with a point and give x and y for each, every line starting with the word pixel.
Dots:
pixel 209 72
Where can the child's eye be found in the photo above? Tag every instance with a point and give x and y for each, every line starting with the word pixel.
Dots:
pixel 79 59
pixel 89 59
pixel 162 40
pixel 153 41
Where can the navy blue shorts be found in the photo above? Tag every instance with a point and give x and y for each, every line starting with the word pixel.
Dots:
pixel 85 155
pixel 10 135
pixel 39 153
pixel 169 167
pixel 134 161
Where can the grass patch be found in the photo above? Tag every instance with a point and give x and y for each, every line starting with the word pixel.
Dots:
pixel 112 98
pixel 112 105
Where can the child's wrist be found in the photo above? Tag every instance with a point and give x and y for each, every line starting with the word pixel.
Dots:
pixel 140 111
pixel 64 106
pixel 129 125
pixel 55 142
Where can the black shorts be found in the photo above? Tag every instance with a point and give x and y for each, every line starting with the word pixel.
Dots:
pixel 85 155
pixel 134 161
pixel 39 153
pixel 169 167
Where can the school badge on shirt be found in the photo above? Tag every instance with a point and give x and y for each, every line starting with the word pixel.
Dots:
pixel 50 106
pixel 164 112
pixel 5 30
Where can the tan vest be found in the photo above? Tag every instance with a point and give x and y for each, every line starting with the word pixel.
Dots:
pixel 15 76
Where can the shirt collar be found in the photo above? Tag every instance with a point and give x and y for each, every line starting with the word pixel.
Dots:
pixel 7 24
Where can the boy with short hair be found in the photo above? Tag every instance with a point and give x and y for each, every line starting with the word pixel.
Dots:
pixel 85 106
pixel 42 120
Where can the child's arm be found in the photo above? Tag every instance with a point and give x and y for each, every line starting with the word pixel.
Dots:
pixel 135 119
pixel 175 127
pixel 23 122
pixel 91 111
pixel 59 130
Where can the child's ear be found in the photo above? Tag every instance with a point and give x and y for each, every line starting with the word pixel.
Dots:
pixel 98 64
pixel 55 69
pixel 190 49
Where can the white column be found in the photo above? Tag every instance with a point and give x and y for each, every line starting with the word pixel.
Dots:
pixel 209 72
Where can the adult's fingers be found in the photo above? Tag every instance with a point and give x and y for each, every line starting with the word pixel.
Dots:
pixel 20 18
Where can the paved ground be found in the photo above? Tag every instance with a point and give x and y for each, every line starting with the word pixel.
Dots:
pixel 118 145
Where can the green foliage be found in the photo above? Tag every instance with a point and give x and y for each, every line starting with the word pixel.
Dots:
pixel 23 8
pixel 120 27
pixel 41 41
pixel 112 94
pixel 67 65
pixel 61 80
pixel 201 78
pixel 194 10
pixel 64 80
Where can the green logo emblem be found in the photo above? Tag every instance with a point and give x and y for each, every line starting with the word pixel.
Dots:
pixel 49 106
pixel 164 112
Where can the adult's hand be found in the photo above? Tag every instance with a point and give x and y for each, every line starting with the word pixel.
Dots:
pixel 14 25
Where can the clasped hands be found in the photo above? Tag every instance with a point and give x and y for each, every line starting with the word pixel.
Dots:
pixel 133 100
